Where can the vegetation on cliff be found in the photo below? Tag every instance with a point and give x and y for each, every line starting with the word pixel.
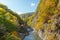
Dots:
pixel 45 10
pixel 11 24
pixel 47 18
pixel 45 21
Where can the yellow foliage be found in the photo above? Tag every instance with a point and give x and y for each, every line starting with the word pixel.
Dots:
pixel 49 21
pixel 45 10
pixel 50 37
pixel 2 10
pixel 14 33
pixel 29 22
pixel 46 19
pixel 10 17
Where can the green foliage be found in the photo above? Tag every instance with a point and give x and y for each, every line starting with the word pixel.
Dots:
pixel 11 37
pixel 9 22
pixel 6 23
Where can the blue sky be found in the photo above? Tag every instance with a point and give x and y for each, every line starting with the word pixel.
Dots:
pixel 21 6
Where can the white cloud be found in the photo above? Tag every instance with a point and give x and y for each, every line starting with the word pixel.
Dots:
pixel 19 12
pixel 32 4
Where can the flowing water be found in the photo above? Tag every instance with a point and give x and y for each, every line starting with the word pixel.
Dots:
pixel 30 36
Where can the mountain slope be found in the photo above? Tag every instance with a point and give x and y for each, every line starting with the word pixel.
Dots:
pixel 46 19
pixel 11 25
pixel 26 15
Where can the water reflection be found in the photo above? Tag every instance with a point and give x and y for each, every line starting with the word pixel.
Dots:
pixel 30 36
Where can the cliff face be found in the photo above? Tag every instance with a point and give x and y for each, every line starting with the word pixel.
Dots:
pixel 47 20
pixel 45 10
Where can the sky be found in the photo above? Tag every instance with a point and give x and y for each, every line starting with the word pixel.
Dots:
pixel 21 6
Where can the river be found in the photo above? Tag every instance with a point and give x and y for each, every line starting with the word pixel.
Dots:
pixel 30 36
